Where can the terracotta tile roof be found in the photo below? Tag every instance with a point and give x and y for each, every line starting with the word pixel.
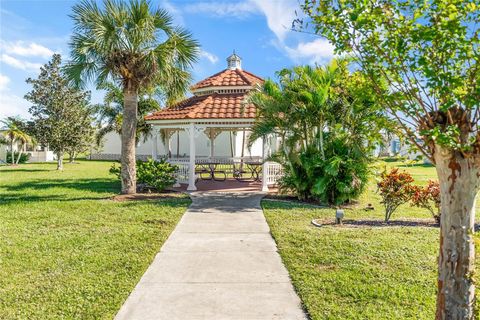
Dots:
pixel 214 106
pixel 228 77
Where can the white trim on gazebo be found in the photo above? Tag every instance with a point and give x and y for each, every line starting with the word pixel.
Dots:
pixel 211 128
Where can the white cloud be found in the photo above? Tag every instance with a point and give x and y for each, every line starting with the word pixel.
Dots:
pixel 173 11
pixel 21 48
pixel 279 14
pixel 316 51
pixel 223 9
pixel 13 105
pixel 4 80
pixel 20 64
pixel 209 56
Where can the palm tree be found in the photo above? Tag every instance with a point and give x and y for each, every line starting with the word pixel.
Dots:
pixel 24 139
pixel 110 112
pixel 14 133
pixel 136 47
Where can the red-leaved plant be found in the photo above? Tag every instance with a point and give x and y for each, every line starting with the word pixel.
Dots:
pixel 428 198
pixel 395 189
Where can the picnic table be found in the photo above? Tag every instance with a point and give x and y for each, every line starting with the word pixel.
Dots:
pixel 217 171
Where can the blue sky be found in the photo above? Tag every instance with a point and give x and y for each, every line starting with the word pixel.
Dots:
pixel 258 30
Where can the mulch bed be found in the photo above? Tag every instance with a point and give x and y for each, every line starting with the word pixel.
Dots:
pixel 348 223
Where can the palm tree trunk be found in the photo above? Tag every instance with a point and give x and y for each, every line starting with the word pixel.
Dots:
pixel 242 153
pixel 459 179
pixel 231 143
pixel 19 154
pixel 12 152
pixel 129 126
pixel 178 144
pixel 322 151
pixel 60 160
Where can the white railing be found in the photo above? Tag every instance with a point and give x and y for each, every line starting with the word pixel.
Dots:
pixel 218 160
pixel 183 170
pixel 274 172
pixel 115 156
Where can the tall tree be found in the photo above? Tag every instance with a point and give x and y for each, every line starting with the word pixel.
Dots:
pixel 58 109
pixel 82 136
pixel 137 47
pixel 428 53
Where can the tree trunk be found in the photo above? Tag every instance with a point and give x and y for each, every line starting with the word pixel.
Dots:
pixel 322 151
pixel 242 152
pixel 12 153
pixel 19 155
pixel 129 125
pixel 459 179
pixel 71 157
pixel 178 144
pixel 60 160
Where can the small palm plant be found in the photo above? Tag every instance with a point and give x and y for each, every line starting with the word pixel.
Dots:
pixel 136 47
pixel 110 112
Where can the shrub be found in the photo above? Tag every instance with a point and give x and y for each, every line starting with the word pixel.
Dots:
pixel 428 198
pixel 395 188
pixel 343 175
pixel 338 179
pixel 156 174
pixel 23 157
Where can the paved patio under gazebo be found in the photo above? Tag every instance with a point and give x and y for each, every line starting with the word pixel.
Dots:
pixel 229 185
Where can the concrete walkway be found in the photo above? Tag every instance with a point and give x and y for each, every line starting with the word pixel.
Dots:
pixel 220 262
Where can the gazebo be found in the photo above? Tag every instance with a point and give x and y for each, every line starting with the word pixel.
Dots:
pixel 217 105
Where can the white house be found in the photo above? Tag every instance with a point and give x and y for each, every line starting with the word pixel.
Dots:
pixel 36 153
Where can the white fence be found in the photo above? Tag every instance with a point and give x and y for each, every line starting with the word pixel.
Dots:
pixel 274 172
pixel 183 169
pixel 115 156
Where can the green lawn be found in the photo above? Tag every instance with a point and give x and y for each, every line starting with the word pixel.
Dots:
pixel 359 273
pixel 69 252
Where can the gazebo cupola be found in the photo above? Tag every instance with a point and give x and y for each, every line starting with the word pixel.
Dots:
pixel 234 62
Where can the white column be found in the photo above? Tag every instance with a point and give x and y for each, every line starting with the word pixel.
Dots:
pixel 212 135
pixel 155 144
pixel 212 147
pixel 191 167
pixel 264 165
pixel 169 145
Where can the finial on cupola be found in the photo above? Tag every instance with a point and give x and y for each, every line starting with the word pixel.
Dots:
pixel 234 61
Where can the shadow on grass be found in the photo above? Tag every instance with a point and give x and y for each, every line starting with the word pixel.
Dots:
pixel 378 223
pixel 17 198
pixel 27 170
pixel 21 198
pixel 418 165
pixel 282 203
pixel 91 185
